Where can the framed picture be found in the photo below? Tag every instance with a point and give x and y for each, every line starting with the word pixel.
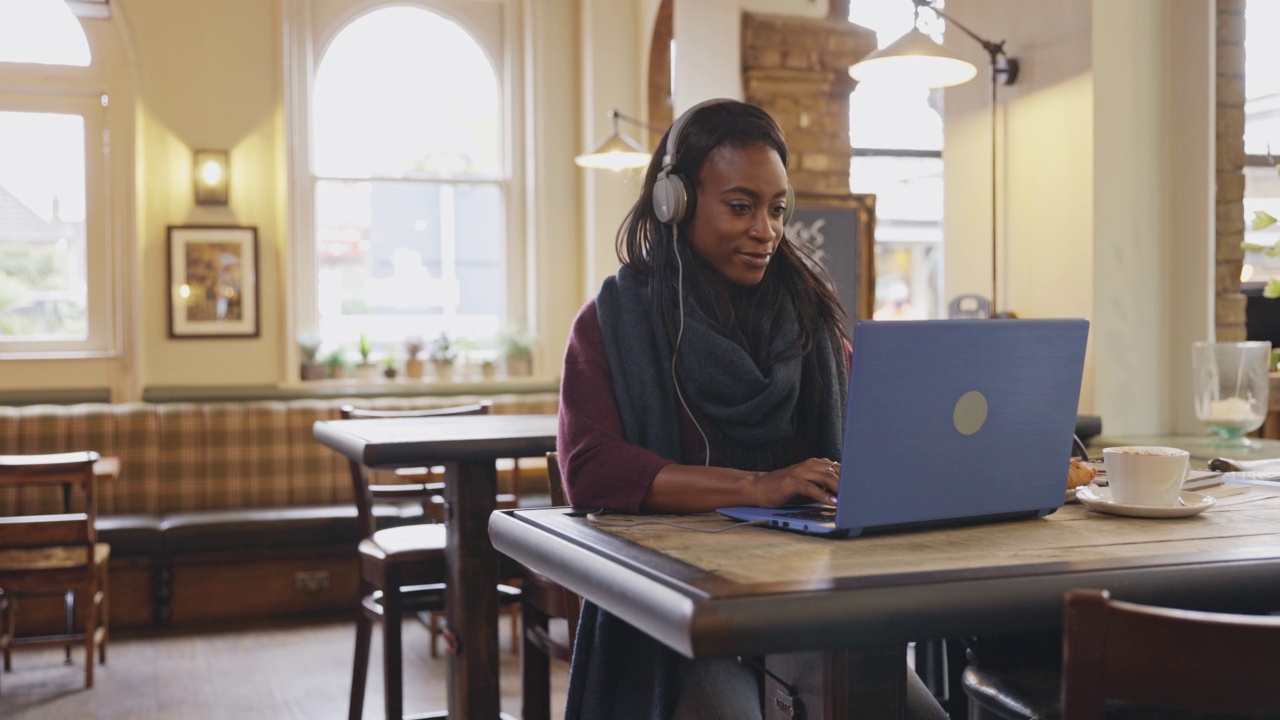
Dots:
pixel 841 230
pixel 213 282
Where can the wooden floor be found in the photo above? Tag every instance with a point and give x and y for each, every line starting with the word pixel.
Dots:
pixel 275 674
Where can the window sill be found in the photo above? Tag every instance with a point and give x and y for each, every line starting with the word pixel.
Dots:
pixel 353 388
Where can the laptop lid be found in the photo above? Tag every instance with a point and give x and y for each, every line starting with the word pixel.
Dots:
pixel 951 421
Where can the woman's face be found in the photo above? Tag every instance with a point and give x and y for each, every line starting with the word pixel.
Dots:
pixel 742 194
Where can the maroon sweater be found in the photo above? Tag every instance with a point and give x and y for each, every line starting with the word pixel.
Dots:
pixel 600 468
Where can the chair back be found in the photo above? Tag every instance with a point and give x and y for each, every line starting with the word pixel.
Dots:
pixel 360 475
pixel 556 480
pixel 73 474
pixel 1169 659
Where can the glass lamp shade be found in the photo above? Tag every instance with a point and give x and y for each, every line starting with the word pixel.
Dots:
pixel 914 59
pixel 617 152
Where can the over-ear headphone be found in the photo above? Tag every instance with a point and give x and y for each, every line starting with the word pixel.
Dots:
pixel 671 193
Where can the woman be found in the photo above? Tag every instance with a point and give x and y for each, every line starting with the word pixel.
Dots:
pixel 710 371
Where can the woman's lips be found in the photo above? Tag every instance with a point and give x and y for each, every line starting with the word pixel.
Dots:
pixel 756 260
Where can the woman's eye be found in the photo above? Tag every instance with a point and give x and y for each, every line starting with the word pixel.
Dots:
pixel 780 210
pixel 740 207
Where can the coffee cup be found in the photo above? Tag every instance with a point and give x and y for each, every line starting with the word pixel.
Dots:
pixel 1146 475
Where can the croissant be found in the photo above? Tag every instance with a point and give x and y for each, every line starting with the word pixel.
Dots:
pixel 1080 474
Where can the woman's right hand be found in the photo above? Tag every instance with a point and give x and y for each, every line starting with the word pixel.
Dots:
pixel 815 478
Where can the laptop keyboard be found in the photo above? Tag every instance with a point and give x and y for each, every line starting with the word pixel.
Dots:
pixel 823 514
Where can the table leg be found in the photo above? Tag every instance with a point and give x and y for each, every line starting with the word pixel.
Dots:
pixel 471 598
pixel 863 683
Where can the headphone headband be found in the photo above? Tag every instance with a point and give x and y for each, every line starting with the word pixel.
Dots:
pixel 673 135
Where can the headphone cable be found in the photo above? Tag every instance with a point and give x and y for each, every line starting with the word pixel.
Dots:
pixel 675 353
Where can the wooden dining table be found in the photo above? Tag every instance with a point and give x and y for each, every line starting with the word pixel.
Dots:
pixel 833 617
pixel 467 447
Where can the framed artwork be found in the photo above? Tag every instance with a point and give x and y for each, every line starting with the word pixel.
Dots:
pixel 841 231
pixel 213 282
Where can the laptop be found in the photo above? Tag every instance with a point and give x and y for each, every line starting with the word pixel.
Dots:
pixel 950 422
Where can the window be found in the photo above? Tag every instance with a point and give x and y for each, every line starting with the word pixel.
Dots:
pixel 1261 133
pixel 54 272
pixel 896 135
pixel 410 180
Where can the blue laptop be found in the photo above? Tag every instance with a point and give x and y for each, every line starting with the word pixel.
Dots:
pixel 950 421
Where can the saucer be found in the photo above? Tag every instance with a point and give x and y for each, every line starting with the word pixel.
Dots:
pixel 1071 494
pixel 1099 498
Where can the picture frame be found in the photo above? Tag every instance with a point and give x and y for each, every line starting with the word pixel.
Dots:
pixel 213 281
pixel 840 228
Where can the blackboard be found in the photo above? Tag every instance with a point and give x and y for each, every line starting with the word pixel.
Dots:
pixel 841 229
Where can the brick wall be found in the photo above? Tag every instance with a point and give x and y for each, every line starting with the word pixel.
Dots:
pixel 798 70
pixel 1229 304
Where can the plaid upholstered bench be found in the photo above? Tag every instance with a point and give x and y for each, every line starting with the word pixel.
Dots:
pixel 225 511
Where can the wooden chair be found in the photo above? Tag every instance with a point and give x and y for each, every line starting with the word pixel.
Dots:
pixel 402 569
pixel 542 599
pixel 1167 659
pixel 54 554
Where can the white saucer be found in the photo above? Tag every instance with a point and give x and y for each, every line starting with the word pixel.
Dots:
pixel 1099 498
pixel 1071 494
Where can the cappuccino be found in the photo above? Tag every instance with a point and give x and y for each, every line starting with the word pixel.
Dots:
pixel 1146 475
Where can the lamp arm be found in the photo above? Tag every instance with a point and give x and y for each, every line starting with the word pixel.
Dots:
pixel 993 49
pixel 616 116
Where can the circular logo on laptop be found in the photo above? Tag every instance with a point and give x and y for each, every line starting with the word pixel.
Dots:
pixel 970 413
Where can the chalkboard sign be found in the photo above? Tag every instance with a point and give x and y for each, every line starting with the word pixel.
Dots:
pixel 842 232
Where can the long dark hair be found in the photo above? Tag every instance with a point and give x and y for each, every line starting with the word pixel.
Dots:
pixel 646 245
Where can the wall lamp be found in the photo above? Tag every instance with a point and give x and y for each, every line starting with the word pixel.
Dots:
pixel 211 174
pixel 915 59
pixel 617 151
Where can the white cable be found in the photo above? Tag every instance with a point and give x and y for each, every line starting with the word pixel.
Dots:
pixel 675 245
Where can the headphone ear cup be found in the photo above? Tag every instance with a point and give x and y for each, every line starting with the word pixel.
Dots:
pixel 791 206
pixel 670 199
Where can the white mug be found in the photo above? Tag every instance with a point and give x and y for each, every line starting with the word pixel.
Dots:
pixel 1146 475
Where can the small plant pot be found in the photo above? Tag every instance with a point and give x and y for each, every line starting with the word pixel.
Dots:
pixel 519 366
pixel 337 372
pixel 367 371
pixel 489 370
pixel 414 368
pixel 314 371
pixel 443 370
pixel 389 373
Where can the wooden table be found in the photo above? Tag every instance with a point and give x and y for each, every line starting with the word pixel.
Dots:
pixel 833 616
pixel 467 447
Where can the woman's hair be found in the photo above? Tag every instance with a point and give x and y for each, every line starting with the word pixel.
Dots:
pixel 647 246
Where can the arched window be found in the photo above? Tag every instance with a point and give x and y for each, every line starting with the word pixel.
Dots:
pixel 896 135
pixel 410 180
pixel 55 288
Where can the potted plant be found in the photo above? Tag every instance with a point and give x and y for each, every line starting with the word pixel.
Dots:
pixel 442 356
pixel 309 352
pixel 413 347
pixel 488 368
pixel 389 367
pixel 336 362
pixel 1261 221
pixel 516 347
pixel 366 370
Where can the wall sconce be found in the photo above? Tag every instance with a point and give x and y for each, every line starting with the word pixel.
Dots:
pixel 617 151
pixel 211 171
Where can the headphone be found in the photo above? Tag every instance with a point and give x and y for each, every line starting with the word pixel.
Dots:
pixel 672 193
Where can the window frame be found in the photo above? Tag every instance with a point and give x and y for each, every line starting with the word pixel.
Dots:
pixel 310 28
pixel 31 87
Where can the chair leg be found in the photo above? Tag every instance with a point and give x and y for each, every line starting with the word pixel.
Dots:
pixel 433 629
pixel 90 634
pixel 10 630
pixel 360 670
pixel 69 607
pixel 391 657
pixel 104 617
pixel 535 668
pixel 515 628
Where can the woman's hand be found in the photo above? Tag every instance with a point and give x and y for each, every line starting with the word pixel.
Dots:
pixel 815 478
